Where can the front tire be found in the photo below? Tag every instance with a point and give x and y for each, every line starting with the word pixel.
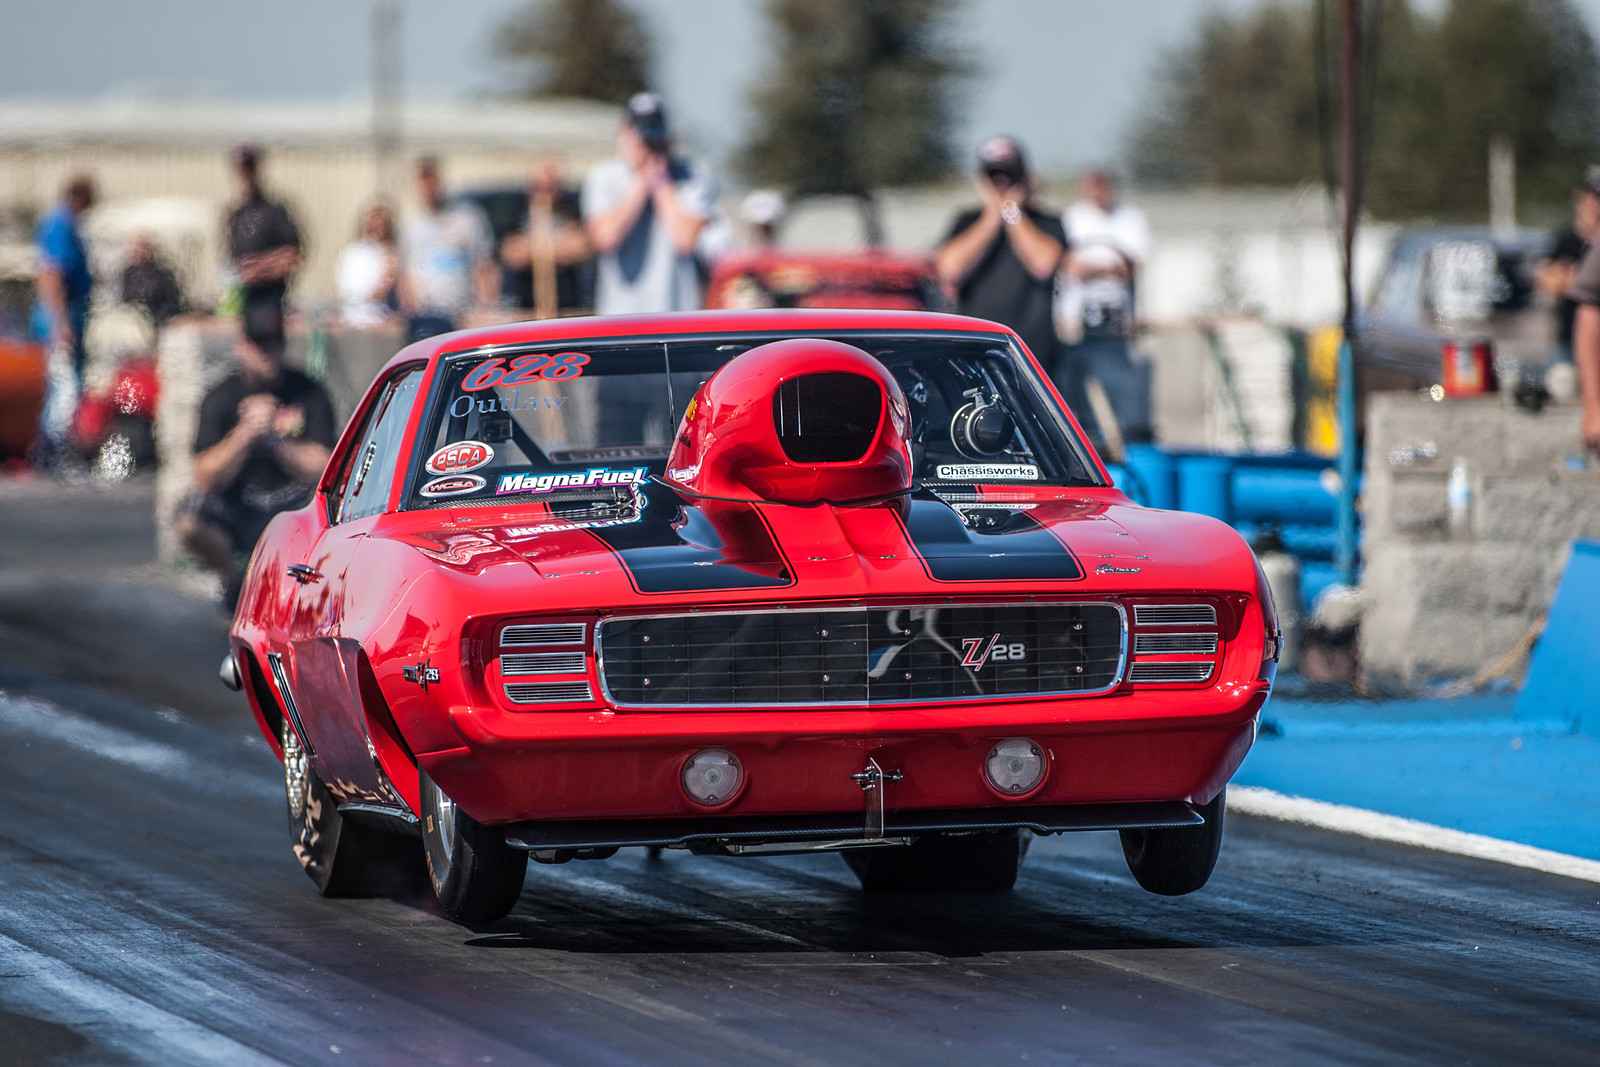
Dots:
pixel 978 862
pixel 342 858
pixel 1176 860
pixel 476 875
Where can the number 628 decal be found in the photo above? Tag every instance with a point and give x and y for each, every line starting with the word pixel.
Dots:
pixel 524 369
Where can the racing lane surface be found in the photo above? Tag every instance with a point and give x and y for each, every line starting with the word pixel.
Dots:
pixel 152 912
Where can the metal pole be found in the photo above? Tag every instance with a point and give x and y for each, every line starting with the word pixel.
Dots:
pixel 386 97
pixel 1350 186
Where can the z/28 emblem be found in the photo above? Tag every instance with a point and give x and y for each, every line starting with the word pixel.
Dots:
pixel 976 651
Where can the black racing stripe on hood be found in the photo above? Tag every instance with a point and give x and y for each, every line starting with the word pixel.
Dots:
pixel 951 551
pixel 677 548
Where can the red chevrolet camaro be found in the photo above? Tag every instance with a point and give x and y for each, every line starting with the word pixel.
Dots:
pixel 741 583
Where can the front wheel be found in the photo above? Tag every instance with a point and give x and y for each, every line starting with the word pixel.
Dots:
pixel 343 858
pixel 476 875
pixel 1176 860
pixel 984 862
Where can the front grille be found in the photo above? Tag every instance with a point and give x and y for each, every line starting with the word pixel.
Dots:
pixel 549 692
pixel 1170 672
pixel 1174 615
pixel 543 633
pixel 1194 644
pixel 542 663
pixel 861 656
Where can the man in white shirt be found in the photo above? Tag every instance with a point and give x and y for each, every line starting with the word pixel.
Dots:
pixel 1108 243
pixel 446 259
pixel 645 211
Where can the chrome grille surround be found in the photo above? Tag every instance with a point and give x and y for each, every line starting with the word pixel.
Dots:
pixel 1174 615
pixel 852 657
pixel 549 692
pixel 1170 672
pixel 1175 644
pixel 512 664
pixel 543 633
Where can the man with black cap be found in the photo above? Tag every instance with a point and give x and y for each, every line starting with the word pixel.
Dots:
pixel 265 433
pixel 644 212
pixel 1002 256
pixel 263 241
pixel 1571 242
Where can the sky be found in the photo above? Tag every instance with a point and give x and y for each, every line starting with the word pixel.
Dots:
pixel 1066 76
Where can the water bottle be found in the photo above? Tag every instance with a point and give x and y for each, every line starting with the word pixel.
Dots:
pixel 1458 495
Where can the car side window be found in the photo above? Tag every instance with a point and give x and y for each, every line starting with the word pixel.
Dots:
pixel 365 488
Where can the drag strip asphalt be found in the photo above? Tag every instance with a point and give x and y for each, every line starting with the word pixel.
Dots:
pixel 153 913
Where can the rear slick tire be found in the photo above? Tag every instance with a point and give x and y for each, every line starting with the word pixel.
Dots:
pixel 341 857
pixel 476 876
pixel 985 862
pixel 1176 860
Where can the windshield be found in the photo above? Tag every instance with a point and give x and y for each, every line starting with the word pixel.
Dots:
pixel 591 420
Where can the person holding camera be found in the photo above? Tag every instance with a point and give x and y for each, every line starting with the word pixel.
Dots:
pixel 644 212
pixel 1001 257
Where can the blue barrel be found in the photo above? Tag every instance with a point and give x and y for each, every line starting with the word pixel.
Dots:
pixel 1158 472
pixel 1205 485
pixel 1282 495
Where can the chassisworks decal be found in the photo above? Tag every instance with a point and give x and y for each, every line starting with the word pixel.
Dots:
pixel 453 485
pixel 462 406
pixel 460 457
pixel 523 370
pixel 966 472
pixel 543 483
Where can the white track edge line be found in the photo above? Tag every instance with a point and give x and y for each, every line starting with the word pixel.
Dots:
pixel 1267 803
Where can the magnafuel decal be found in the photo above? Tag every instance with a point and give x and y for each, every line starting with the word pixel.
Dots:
pixel 977 472
pixel 528 482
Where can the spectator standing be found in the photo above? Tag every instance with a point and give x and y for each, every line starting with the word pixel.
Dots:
pixel 368 270
pixel 264 245
pixel 762 212
pixel 644 212
pixel 64 280
pixel 1585 293
pixel 265 433
pixel 1001 257
pixel 149 283
pixel 547 263
pixel 1110 241
pixel 446 259
pixel 1571 242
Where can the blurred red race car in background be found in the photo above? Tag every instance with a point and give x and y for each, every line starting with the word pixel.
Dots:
pixel 741 583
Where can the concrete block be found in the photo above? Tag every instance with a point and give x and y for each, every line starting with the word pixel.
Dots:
pixel 1551 509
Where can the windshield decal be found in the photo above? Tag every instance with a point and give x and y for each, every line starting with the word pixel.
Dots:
pixel 460 457
pixel 963 472
pixel 528 482
pixel 524 370
pixel 453 485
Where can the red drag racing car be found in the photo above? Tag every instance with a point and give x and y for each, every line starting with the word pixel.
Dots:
pixel 741 583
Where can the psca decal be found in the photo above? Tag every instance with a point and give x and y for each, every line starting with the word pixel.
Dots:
pixel 460 457
pixel 523 370
pixel 976 651
pixel 453 485
pixel 543 483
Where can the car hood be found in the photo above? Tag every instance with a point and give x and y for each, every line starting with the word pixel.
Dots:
pixel 668 546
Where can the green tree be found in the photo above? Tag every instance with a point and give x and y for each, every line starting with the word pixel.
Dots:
pixel 597 49
pixel 1241 102
pixel 863 93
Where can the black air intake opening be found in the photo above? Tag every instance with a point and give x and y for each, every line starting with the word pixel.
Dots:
pixel 830 417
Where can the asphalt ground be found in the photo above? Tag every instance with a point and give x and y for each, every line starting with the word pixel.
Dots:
pixel 152 911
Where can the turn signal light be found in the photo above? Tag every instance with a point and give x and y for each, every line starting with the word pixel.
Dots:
pixel 712 776
pixel 1015 766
